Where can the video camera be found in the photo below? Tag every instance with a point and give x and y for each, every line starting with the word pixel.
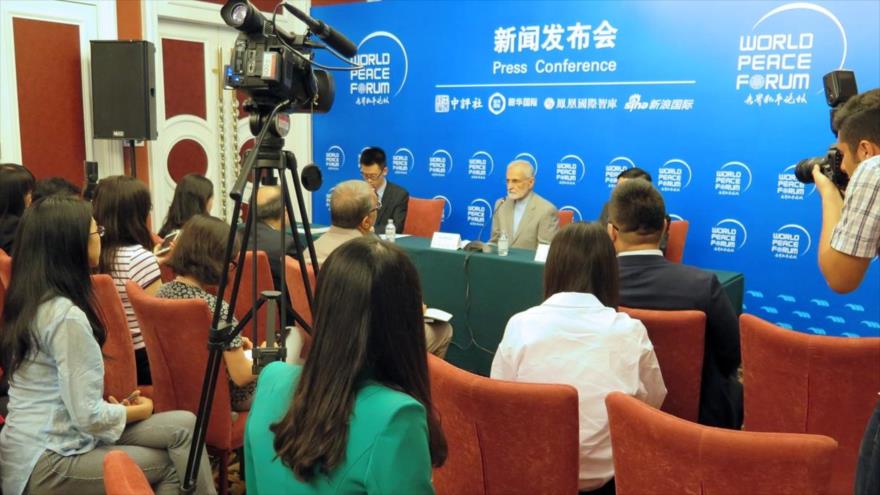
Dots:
pixel 840 86
pixel 272 66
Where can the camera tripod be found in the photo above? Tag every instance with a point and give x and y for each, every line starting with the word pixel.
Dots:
pixel 266 159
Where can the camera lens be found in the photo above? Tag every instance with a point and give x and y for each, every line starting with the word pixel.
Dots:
pixel 804 169
pixel 239 14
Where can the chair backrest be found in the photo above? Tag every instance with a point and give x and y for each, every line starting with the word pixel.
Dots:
pixel 296 288
pixel 678 338
pixel 504 437
pixel 423 217
pixel 246 300
pixel 565 217
pixel 657 453
pixel 800 383
pixel 120 370
pixel 678 231
pixel 5 268
pixel 122 476
pixel 175 332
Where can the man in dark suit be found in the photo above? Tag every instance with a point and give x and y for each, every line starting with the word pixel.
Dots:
pixel 393 199
pixel 637 219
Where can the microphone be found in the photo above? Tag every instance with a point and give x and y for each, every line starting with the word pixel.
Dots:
pixel 478 245
pixel 336 40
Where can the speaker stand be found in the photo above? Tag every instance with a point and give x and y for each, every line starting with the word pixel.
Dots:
pixel 133 167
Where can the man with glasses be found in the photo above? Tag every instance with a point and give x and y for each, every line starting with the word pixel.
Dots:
pixel 393 199
pixel 354 206
pixel 353 209
pixel 649 281
pixel 526 218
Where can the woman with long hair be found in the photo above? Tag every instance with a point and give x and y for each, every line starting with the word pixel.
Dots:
pixel 16 187
pixel 194 194
pixel 198 262
pixel 59 427
pixel 577 337
pixel 122 205
pixel 358 416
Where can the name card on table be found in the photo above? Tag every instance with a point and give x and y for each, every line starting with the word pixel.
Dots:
pixel 541 253
pixel 443 240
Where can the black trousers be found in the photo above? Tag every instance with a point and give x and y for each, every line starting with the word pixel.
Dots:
pixel 868 468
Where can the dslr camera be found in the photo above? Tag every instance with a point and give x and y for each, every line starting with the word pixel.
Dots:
pixel 840 86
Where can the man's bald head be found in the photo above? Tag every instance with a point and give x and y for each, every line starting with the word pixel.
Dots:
pixel 269 204
pixel 350 202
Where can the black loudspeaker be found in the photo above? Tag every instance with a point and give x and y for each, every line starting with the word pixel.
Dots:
pixel 124 90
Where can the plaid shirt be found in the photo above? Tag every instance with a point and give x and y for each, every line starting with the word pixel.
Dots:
pixel 858 231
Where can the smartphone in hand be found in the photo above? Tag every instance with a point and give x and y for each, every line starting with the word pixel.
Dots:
pixel 166 243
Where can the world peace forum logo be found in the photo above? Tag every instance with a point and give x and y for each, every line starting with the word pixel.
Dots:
pixel 674 175
pixel 440 163
pixel 334 158
pixel 384 69
pixel 479 213
pixel 481 165
pixel 570 169
pixel 447 206
pixel 728 236
pixel 790 242
pixel 617 165
pixel 530 158
pixel 733 179
pixel 788 187
pixel 402 161
pixel 775 64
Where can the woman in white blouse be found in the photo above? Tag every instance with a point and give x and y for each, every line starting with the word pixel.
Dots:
pixel 577 337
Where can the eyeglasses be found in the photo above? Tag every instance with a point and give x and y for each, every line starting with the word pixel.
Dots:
pixel 100 231
pixel 371 177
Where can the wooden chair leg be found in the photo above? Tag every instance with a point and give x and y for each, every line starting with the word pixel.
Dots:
pixel 224 473
pixel 240 454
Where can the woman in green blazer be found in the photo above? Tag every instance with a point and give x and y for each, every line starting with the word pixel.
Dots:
pixel 357 417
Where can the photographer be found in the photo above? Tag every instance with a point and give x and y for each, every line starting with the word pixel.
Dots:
pixel 851 224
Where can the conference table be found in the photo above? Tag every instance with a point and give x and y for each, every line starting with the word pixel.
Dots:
pixel 483 290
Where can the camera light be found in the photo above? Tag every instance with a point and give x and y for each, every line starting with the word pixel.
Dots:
pixel 239 14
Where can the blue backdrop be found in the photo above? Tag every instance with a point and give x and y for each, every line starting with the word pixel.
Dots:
pixel 717 100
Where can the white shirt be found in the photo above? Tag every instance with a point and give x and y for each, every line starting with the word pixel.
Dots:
pixel 381 191
pixel 573 339
pixel 641 252
pixel 519 209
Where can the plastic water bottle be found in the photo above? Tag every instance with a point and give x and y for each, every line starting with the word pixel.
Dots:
pixel 503 244
pixel 390 231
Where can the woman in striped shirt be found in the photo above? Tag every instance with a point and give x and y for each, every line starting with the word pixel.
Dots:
pixel 122 205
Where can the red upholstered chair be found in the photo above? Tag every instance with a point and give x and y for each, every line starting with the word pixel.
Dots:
pixel 246 300
pixel 176 333
pixel 5 268
pixel 120 370
pixel 678 231
pixel 657 453
pixel 297 289
pixel 423 217
pixel 504 437
pixel 800 383
pixel 565 217
pixel 123 477
pixel 678 338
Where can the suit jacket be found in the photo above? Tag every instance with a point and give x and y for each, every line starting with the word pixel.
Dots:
pixel 652 282
pixel 334 238
pixel 268 240
pixel 539 223
pixel 395 201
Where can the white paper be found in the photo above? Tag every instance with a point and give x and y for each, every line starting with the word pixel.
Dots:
pixel 315 230
pixel 434 314
pixel 445 240
pixel 541 253
pixel 396 236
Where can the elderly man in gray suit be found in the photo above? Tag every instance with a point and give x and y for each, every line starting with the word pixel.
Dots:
pixel 528 219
